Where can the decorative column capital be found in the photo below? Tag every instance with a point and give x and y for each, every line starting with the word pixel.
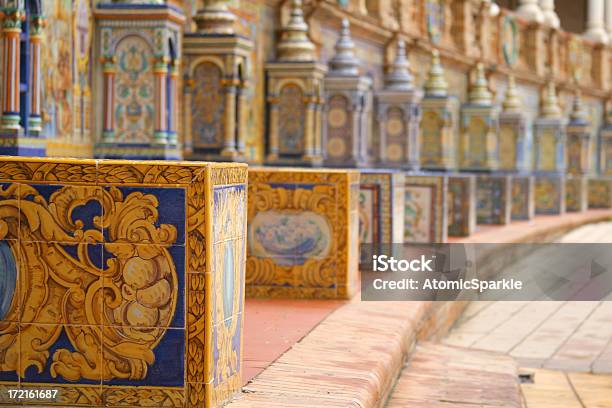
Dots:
pixel 37 23
pixel 161 65
pixel 12 20
pixel 108 64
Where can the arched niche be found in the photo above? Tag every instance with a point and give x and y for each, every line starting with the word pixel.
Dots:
pixel 207 106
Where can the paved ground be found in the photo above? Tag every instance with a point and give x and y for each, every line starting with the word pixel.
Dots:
pixel 557 389
pixel 272 326
pixel 341 355
pixel 439 376
pixel 568 336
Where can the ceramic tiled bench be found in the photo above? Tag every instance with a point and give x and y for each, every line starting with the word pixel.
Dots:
pixel 121 282
pixel 303 239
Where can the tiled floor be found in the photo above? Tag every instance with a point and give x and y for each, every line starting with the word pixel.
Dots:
pixel 556 389
pixel 568 336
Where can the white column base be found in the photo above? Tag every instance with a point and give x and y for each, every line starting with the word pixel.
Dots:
pixel 597 34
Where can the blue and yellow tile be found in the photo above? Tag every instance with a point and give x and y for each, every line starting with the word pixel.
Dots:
pixel 10 285
pixel 113 277
pixel 66 214
pixel 144 286
pixel 61 354
pixel 300 222
pixel 128 213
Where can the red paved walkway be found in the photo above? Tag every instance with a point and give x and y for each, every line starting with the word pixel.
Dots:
pixel 272 326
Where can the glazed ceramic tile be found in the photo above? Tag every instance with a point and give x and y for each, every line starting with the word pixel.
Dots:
pixel 439 132
pixel 10 284
pixel 576 194
pixel 493 199
pixel 143 286
pixel 103 313
pixel 61 354
pixel 64 171
pixel 381 202
pixel 461 205
pixel 479 144
pixel 62 285
pixel 523 205
pixel 425 209
pixel 9 204
pixel 550 194
pixel 67 214
pixel 600 193
pixel 10 361
pixel 128 212
pixel 302 232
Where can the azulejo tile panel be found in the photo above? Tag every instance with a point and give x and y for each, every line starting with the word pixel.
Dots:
pixel 576 194
pixel 381 203
pixel 550 194
pixel 425 208
pixel 461 205
pixel 302 233
pixel 600 192
pixel 523 205
pixel 493 199
pixel 122 282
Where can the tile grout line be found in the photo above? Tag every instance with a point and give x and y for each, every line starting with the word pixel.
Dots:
pixel 498 325
pixel 571 384
pixel 537 327
pixel 608 345
pixel 477 313
pixel 570 336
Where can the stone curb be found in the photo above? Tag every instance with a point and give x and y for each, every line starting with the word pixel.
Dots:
pixel 352 358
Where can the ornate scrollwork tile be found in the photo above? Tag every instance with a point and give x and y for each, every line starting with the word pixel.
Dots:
pixel 298 232
pixel 65 171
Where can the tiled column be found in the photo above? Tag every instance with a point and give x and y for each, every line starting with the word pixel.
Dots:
pixel 34 121
pixel 188 139
pixel 109 70
pixel 229 139
pixel 550 16
pixel 173 95
pixel 10 102
pixel 595 21
pixel 530 10
pixel 242 101
pixel 160 71
pixel 274 140
pixel 309 145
